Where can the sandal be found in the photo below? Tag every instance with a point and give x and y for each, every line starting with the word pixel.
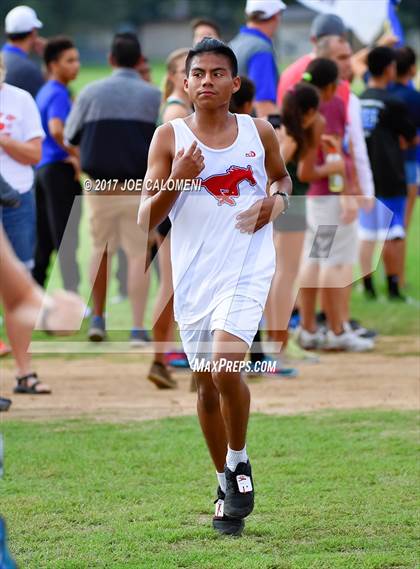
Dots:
pixel 34 387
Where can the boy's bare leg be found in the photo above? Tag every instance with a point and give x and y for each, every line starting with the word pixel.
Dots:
pixel 210 417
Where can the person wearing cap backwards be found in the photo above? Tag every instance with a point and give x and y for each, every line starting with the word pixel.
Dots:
pixel 254 49
pixel 21 27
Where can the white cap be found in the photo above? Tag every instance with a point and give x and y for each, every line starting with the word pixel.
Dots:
pixel 20 20
pixel 269 7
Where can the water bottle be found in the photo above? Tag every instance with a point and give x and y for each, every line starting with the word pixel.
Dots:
pixel 335 181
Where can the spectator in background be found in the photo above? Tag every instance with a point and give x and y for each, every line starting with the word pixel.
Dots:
pixel 341 53
pixel 204 28
pixel 242 102
pixel 145 73
pixel 300 136
pixel 385 119
pixel 326 27
pixel 331 246
pixel 113 121
pixel 20 149
pixel 176 104
pixel 21 26
pixel 57 178
pixel 145 70
pixel 406 72
pixel 254 49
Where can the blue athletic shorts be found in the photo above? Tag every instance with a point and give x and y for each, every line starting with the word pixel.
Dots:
pixel 385 221
pixel 19 224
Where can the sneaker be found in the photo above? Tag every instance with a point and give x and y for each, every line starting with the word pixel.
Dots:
pixel 139 338
pixel 161 377
pixel 5 404
pixel 118 299
pixel 222 523
pixel 396 297
pixel 309 340
pixel 361 331
pixel 239 497
pixel 279 371
pixel 177 359
pixel 347 342
pixel 295 353
pixel 97 332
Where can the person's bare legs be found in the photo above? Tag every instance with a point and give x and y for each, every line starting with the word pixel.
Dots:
pixel 335 295
pixel 163 313
pixel 333 281
pixel 366 253
pixel 99 278
pixel 308 282
pixel 20 337
pixel 282 295
pixel 393 257
pixel 234 392
pixel 19 342
pixel 211 419
pixel 138 286
pixel 411 202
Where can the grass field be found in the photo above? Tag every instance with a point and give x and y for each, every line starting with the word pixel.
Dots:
pixel 333 491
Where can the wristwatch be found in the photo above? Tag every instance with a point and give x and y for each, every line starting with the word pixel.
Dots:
pixel 286 200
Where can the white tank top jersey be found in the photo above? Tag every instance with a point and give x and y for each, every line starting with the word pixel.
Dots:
pixel 211 259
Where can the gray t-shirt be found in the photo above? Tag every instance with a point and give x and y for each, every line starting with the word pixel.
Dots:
pixel 21 71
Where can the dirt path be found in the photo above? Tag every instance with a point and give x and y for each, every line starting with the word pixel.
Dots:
pixel 114 387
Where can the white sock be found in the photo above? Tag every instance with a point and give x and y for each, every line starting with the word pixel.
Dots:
pixel 234 457
pixel 222 480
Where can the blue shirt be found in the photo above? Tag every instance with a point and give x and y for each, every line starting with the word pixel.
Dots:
pixel 54 102
pixel 20 70
pixel 262 69
pixel 411 98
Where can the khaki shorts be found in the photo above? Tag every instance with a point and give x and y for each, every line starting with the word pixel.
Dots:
pixel 328 241
pixel 113 224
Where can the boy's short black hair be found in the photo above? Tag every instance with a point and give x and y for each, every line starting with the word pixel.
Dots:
pixel 205 22
pixel 379 59
pixel 125 49
pixel 211 45
pixel 406 58
pixel 55 47
pixel 321 72
pixel 19 36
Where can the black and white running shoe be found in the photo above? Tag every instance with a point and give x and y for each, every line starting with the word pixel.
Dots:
pixel 239 499
pixel 222 523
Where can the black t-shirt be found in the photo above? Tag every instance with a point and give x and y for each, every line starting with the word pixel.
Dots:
pixel 385 118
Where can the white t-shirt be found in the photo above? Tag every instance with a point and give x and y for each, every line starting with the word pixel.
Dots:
pixel 211 259
pixel 20 119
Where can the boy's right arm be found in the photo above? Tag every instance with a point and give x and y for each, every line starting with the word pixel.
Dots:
pixel 156 202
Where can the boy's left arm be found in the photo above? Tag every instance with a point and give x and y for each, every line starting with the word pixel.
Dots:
pixel 267 209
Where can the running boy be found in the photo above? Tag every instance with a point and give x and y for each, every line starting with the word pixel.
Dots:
pixel 222 253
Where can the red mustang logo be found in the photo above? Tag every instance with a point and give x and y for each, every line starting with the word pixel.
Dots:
pixel 225 187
